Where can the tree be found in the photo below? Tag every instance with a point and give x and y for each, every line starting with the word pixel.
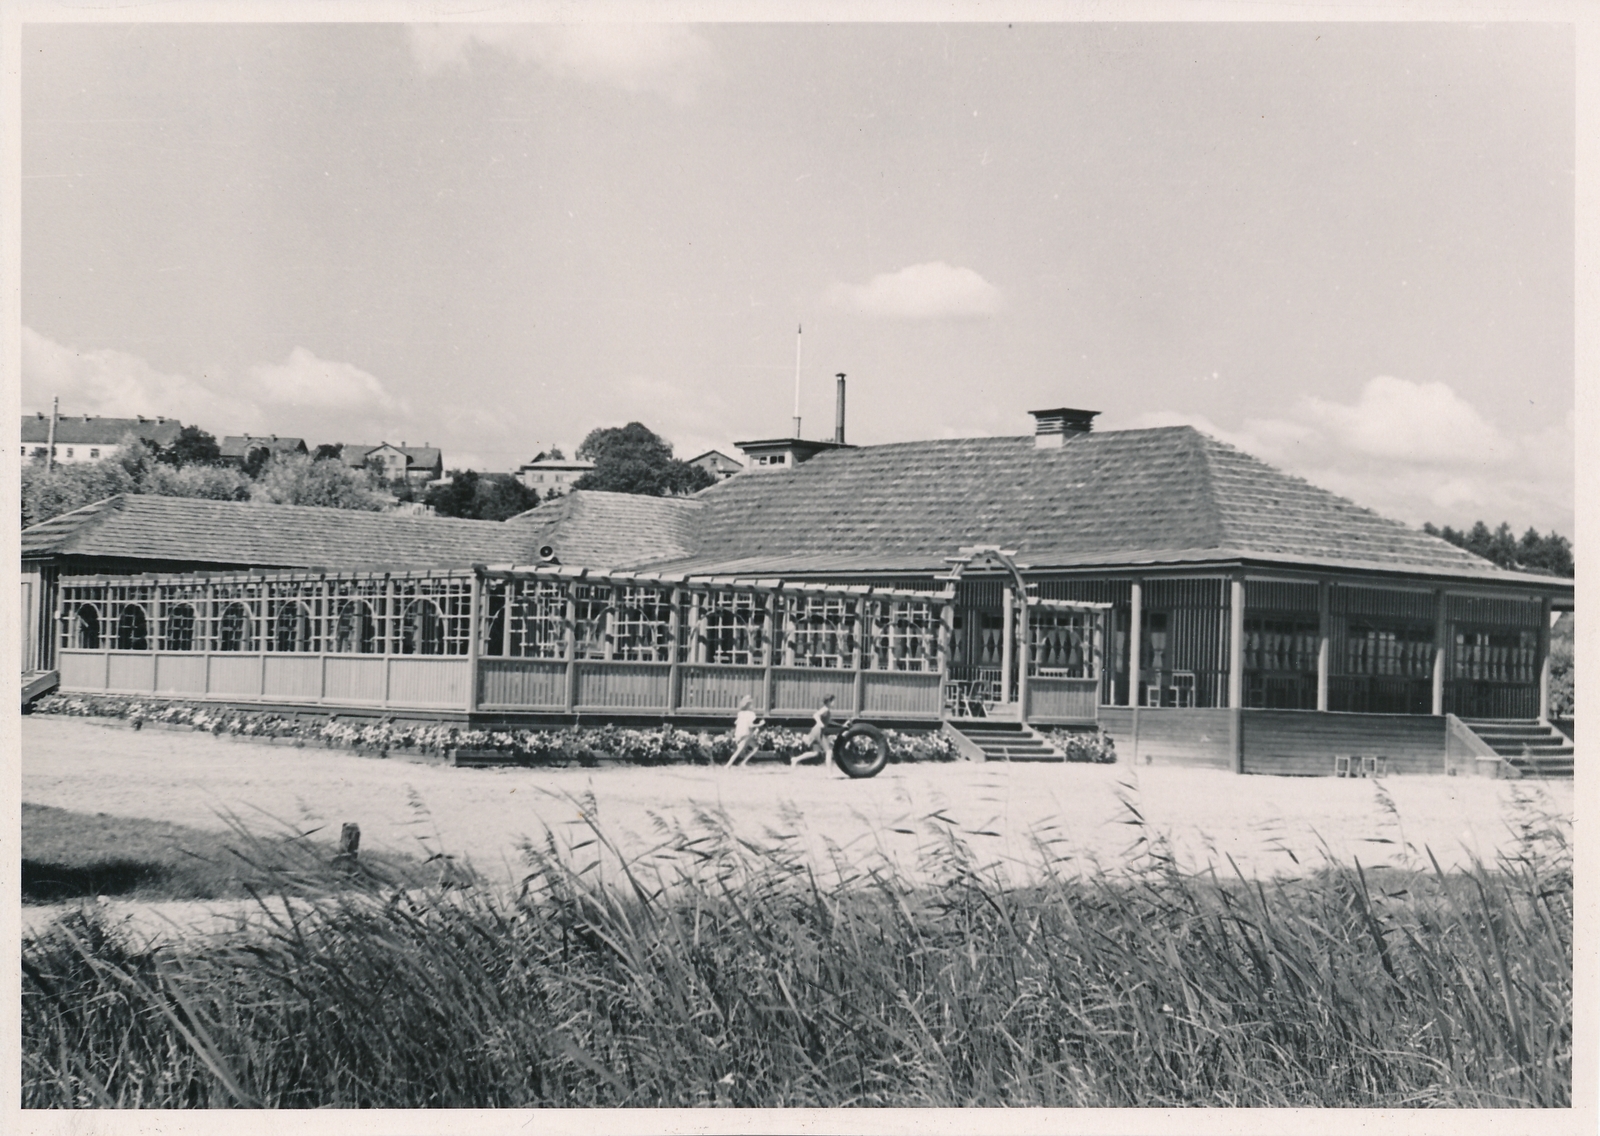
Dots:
pixel 136 467
pixel 481 497
pixel 255 461
pixel 192 446
pixel 214 482
pixel 299 479
pixel 1561 685
pixel 329 450
pixel 1550 554
pixel 634 459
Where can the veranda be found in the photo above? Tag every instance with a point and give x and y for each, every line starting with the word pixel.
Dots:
pixel 555 643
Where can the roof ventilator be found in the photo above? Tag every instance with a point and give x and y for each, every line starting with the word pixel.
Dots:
pixel 1051 427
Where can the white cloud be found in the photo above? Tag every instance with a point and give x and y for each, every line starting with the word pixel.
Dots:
pixel 119 385
pixel 305 382
pixel 930 291
pixel 319 399
pixel 1416 452
pixel 668 59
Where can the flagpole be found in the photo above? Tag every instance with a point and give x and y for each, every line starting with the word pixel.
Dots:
pixel 797 332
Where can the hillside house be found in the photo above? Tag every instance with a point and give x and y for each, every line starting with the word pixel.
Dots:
pixel 717 464
pixel 239 449
pixel 546 474
pixel 417 465
pixel 88 437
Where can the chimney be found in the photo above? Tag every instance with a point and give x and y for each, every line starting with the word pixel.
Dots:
pixel 838 417
pixel 1051 427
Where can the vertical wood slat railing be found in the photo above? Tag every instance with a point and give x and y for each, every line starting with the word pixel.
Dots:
pixel 384 681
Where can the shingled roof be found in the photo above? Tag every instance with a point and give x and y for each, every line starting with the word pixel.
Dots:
pixel 140 527
pixel 90 430
pixel 1131 497
pixel 596 529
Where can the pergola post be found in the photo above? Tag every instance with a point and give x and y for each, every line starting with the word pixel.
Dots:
pixel 674 653
pixel 1544 660
pixel 1007 635
pixel 1441 632
pixel 1024 656
pixel 475 609
pixel 572 648
pixel 1135 631
pixel 947 626
pixel 1236 642
pixel 1324 643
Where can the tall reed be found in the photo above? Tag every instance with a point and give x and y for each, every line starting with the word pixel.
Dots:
pixel 729 973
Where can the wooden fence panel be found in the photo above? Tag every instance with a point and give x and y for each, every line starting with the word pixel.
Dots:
pixel 901 694
pixel 432 683
pixel 353 678
pixel 522 684
pixel 1062 699
pixel 231 674
pixel 717 687
pixel 82 670
pixel 131 673
pixel 800 690
pixel 297 677
pixel 623 686
pixel 180 674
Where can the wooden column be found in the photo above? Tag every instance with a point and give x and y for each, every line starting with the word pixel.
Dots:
pixel 855 663
pixel 1024 655
pixel 475 609
pixel 1135 631
pixel 1324 642
pixel 1007 635
pixel 768 651
pixel 1441 636
pixel 1544 660
pixel 675 653
pixel 1236 642
pixel 947 634
pixel 572 649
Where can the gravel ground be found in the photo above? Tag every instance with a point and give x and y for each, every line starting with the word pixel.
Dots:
pixel 1267 825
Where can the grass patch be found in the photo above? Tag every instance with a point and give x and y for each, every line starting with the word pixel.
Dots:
pixel 71 855
pixel 728 974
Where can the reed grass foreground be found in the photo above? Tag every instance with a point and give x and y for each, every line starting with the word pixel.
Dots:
pixel 744 979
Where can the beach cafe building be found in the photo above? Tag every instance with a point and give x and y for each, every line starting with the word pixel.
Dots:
pixel 1199 605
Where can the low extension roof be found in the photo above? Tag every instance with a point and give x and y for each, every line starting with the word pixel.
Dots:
pixel 1170 495
pixel 140 527
pixel 612 530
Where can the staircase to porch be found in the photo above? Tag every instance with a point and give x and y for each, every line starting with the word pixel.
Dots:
pixel 1007 741
pixel 35 684
pixel 1531 748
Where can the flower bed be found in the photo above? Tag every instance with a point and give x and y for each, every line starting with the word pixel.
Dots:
pixel 1095 746
pixel 574 745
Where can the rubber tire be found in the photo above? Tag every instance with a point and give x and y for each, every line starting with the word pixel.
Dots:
pixel 850 762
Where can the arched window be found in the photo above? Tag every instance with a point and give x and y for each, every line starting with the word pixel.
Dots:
pixel 133 629
pixel 180 628
pixel 356 631
pixel 236 630
pixel 88 627
pixel 292 628
pixel 422 629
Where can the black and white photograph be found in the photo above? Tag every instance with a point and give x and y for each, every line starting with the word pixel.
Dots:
pixel 727 570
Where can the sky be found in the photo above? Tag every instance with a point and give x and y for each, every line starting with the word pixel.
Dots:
pixel 1345 248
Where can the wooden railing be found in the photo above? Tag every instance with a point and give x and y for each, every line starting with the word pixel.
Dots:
pixel 1053 699
pixel 401 681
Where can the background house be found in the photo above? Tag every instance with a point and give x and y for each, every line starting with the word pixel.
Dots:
pixel 88 437
pixel 545 474
pixel 718 464
pixel 238 449
pixel 415 464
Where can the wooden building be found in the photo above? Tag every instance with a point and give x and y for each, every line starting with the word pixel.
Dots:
pixel 1198 604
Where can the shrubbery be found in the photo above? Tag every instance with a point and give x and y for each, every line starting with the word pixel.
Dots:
pixel 575 745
